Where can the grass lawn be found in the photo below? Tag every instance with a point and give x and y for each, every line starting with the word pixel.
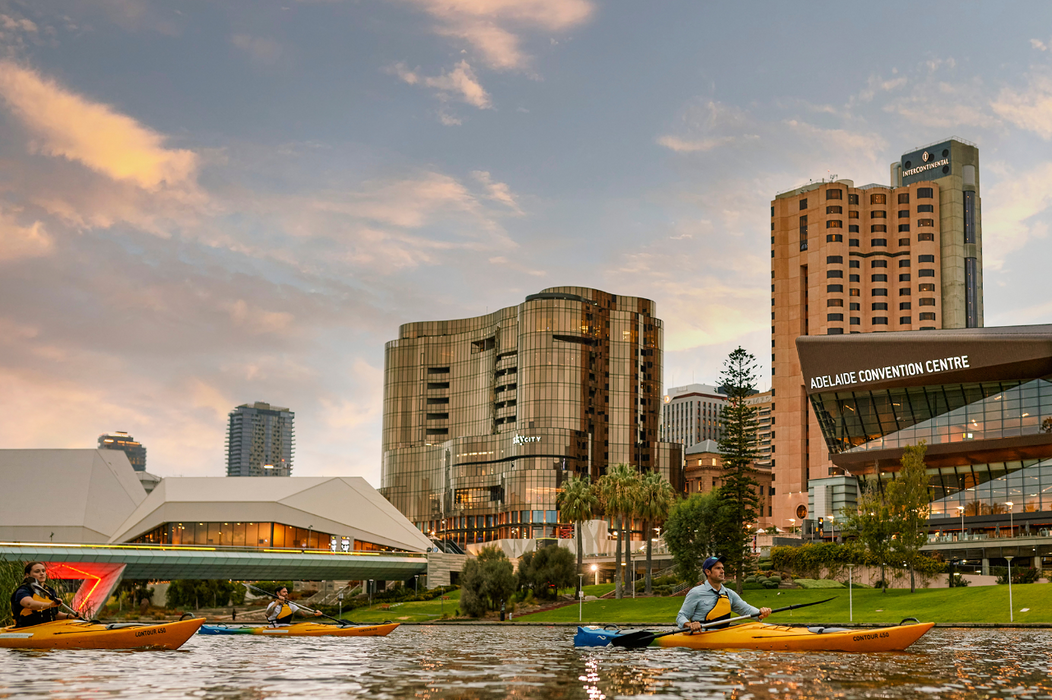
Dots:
pixel 415 611
pixel 966 605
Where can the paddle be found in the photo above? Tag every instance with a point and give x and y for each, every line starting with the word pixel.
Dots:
pixel 47 594
pixel 643 638
pixel 341 623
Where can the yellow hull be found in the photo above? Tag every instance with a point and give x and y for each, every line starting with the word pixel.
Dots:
pixel 314 629
pixel 75 634
pixel 757 635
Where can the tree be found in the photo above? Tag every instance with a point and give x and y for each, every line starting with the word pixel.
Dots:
pixel 615 490
pixel 690 532
pixel 578 503
pixel 908 497
pixel 738 453
pixel 486 581
pixel 198 592
pixel 546 570
pixel 11 575
pixel 656 496
pixel 872 523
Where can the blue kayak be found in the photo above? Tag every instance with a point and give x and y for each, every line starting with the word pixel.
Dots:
pixel 592 636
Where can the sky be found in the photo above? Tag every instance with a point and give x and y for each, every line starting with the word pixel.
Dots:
pixel 205 204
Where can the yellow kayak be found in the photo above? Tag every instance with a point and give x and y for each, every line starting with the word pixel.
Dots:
pixel 77 634
pixel 304 629
pixel 757 635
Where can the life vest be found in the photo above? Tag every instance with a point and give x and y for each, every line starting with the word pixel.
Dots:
pixel 721 610
pixel 282 613
pixel 26 617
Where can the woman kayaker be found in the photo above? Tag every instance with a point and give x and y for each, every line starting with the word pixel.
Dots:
pixel 712 601
pixel 282 610
pixel 34 602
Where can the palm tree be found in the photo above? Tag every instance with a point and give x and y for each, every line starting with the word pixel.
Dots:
pixel 616 492
pixel 656 496
pixel 578 503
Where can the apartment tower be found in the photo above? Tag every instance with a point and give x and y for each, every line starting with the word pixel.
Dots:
pixel 120 440
pixel 691 414
pixel 848 259
pixel 485 417
pixel 260 440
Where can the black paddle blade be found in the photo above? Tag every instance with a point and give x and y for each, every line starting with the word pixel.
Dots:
pixel 633 640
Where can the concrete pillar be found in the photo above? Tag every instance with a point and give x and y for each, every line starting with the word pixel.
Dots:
pixel 1037 565
pixel 986 567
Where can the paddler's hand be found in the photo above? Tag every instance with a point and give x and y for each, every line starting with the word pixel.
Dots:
pixel 317 613
pixel 694 626
pixel 764 612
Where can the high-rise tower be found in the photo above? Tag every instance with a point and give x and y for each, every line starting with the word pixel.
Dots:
pixel 260 441
pixel 848 259
pixel 120 440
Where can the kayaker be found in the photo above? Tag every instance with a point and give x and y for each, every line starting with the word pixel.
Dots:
pixel 34 602
pixel 712 601
pixel 282 610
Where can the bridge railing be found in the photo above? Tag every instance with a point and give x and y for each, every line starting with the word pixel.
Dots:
pixel 212 548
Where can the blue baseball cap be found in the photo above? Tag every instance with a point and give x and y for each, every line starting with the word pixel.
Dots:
pixel 712 561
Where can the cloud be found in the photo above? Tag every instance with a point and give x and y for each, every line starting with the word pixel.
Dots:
pixel 460 83
pixel 1028 108
pixel 67 125
pixel 497 191
pixel 1010 210
pixel 493 27
pixel 258 321
pixel 680 145
pixel 19 242
pixel 259 49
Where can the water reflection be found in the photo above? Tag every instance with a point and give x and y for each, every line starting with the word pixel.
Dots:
pixel 493 662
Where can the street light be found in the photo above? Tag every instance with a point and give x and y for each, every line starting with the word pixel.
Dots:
pixel 832 526
pixel 1011 522
pixel 850 596
pixel 580 597
pixel 961 508
pixel 595 570
pixel 792 525
pixel 1011 615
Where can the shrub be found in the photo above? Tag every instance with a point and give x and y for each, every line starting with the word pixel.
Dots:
pixel 810 583
pixel 487 581
pixel 770 583
pixel 777 578
pixel 547 570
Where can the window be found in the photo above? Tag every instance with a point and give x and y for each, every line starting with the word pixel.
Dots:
pixel 926 208
pixel 853 242
pixel 878 228
pixel 904 306
pixel 925 192
pixel 879 242
pixel 925 222
pixel 878 292
pixel 834 238
pixel 904 262
pixel 853 228
pixel 834 317
pixel 927 316
pixel 905 277
pixel 834 302
pixel 925 273
pixel 905 320
pixel 834 288
pixel 878 278
pixel 855 293
pixel 878 263
pixel 904 227
pixel 438 385
pixel 835 331
pixel 925 236
pixel 834 194
pixel 925 258
pixel 904 292
pixel 854 278
pixel 904 197
pixel 803 204
pixel 878 214
pixel 904 213
pixel 878 199
pixel 927 301
pixel 880 320
pixel 855 306
pixel 904 241
pixel 830 259
pixel 879 306
pixel 852 214
pixel 834 223
pixel 853 263
pixel 834 209
pixel 852 199
pixel 856 321
pixel 837 274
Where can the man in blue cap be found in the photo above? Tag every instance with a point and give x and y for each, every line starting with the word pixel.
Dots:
pixel 712 601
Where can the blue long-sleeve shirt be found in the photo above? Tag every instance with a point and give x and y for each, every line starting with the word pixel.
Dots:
pixel 701 599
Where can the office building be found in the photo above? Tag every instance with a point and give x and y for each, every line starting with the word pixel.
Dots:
pixel 704 472
pixel 485 417
pixel 848 259
pixel 691 414
pixel 124 442
pixel 260 441
pixel 764 427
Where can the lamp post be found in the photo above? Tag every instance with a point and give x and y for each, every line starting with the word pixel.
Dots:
pixel 792 525
pixel 1011 615
pixel 961 508
pixel 595 570
pixel 310 531
pixel 850 594
pixel 1011 522
pixel 580 598
pixel 832 528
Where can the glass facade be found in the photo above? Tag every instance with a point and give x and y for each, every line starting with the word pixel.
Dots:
pixel 484 417
pixel 267 535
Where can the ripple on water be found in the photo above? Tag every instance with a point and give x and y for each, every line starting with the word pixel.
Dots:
pixel 479 663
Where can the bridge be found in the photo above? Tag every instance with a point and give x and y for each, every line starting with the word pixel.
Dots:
pixel 102 566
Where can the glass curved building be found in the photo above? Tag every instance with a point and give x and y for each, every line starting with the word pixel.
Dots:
pixel 485 417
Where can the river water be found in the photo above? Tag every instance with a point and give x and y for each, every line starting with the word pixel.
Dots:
pixel 483 662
